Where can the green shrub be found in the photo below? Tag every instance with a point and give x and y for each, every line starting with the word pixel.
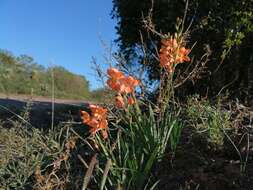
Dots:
pixel 210 121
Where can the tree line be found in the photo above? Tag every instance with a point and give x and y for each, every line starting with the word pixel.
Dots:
pixel 22 75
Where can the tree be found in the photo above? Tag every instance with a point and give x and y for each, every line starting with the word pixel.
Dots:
pixel 225 27
pixel 68 84
pixel 102 95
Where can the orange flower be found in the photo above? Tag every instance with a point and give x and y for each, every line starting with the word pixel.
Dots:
pixel 131 81
pixel 130 101
pixel 85 116
pixel 183 55
pixel 103 124
pixel 125 88
pixel 114 84
pixel 104 134
pixel 115 73
pixel 94 125
pixel 128 84
pixel 119 101
pixel 121 83
pixel 97 120
pixel 169 44
pixel 98 112
pixel 171 53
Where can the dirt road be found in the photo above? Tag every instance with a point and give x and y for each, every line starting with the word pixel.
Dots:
pixel 40 109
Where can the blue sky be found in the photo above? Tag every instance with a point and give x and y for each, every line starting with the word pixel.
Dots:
pixel 67 32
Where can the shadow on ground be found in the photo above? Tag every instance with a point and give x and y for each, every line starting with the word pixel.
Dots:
pixel 40 112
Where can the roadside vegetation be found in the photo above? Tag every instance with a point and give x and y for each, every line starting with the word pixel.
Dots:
pixel 143 133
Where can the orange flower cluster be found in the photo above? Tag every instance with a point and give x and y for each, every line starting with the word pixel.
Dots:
pixel 122 85
pixel 120 103
pixel 172 53
pixel 97 120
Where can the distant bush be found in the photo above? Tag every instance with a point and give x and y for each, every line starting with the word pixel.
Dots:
pixel 104 95
pixel 68 84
